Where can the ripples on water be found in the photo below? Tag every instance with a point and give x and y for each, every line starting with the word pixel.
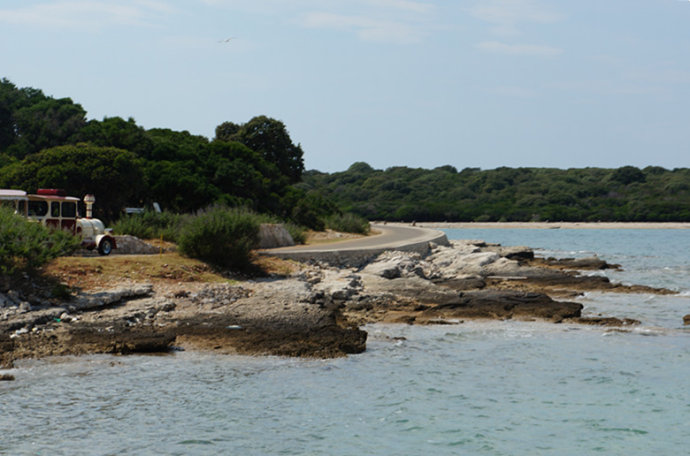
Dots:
pixel 496 388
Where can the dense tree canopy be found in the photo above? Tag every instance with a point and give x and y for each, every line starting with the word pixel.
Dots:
pixel 117 132
pixel 113 175
pixel 508 194
pixel 30 121
pixel 47 142
pixel 270 138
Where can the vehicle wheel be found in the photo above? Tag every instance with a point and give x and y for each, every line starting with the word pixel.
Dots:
pixel 105 247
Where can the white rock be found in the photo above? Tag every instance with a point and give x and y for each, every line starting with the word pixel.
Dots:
pixel 25 306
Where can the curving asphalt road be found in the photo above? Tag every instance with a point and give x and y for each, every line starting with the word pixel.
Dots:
pixel 390 237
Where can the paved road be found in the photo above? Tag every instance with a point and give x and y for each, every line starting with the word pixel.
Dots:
pixel 391 236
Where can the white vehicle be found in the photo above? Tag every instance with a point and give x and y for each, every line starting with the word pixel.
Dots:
pixel 53 208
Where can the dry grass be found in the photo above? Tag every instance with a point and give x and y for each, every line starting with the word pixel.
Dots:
pixel 88 273
pixel 96 272
pixel 92 272
pixel 273 265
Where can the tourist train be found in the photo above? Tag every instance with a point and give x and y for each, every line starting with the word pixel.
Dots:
pixel 54 209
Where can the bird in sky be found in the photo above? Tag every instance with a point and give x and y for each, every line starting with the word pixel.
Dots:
pixel 227 40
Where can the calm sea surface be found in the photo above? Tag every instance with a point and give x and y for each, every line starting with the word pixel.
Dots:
pixel 496 388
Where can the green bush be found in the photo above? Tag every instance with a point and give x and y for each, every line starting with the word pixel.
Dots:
pixel 26 245
pixel 221 236
pixel 348 223
pixel 151 225
pixel 297 232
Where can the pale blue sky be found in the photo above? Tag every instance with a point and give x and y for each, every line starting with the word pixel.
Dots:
pixel 422 83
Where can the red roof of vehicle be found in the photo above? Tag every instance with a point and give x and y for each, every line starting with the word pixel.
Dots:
pixel 51 192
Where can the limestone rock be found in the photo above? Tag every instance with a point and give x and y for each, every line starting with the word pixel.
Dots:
pixel 339 285
pixel 217 296
pixel 495 304
pixel 467 245
pixel 511 252
pixel 109 297
pixel 131 245
pixel 607 321
pixel 587 263
pixel 416 288
pixel 5 301
pixel 454 263
pixel 30 319
pixel 272 235
pixel 393 264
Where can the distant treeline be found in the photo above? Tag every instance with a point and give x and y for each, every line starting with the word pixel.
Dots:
pixel 508 194
pixel 48 143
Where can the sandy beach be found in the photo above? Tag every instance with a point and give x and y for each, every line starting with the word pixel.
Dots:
pixel 558 225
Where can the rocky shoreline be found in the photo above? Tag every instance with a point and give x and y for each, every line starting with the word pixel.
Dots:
pixel 316 310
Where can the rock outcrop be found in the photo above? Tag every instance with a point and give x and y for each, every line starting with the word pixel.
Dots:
pixel 273 235
pixel 315 312
pixel 131 245
pixel 589 263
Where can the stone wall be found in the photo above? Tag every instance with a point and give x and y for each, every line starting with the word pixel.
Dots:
pixel 272 235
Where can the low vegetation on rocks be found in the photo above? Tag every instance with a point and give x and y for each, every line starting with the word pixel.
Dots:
pixel 25 246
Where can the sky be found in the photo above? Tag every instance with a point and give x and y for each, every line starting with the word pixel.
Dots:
pixel 418 83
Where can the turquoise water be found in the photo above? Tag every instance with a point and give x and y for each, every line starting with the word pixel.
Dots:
pixel 493 388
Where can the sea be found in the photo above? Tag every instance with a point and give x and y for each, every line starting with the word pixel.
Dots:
pixel 476 388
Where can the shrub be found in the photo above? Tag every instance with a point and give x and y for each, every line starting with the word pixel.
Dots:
pixel 297 232
pixel 151 225
pixel 304 215
pixel 26 245
pixel 348 223
pixel 221 236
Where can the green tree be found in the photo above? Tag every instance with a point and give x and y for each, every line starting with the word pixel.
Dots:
pixel 239 172
pixel 226 131
pixel 9 95
pixel 113 175
pixel 178 186
pixel 507 193
pixel 270 138
pixel 176 145
pixel 117 132
pixel 627 175
pixel 47 123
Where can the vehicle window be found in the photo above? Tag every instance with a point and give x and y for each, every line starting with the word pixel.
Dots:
pixel 21 207
pixel 38 208
pixel 69 209
pixel 55 209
